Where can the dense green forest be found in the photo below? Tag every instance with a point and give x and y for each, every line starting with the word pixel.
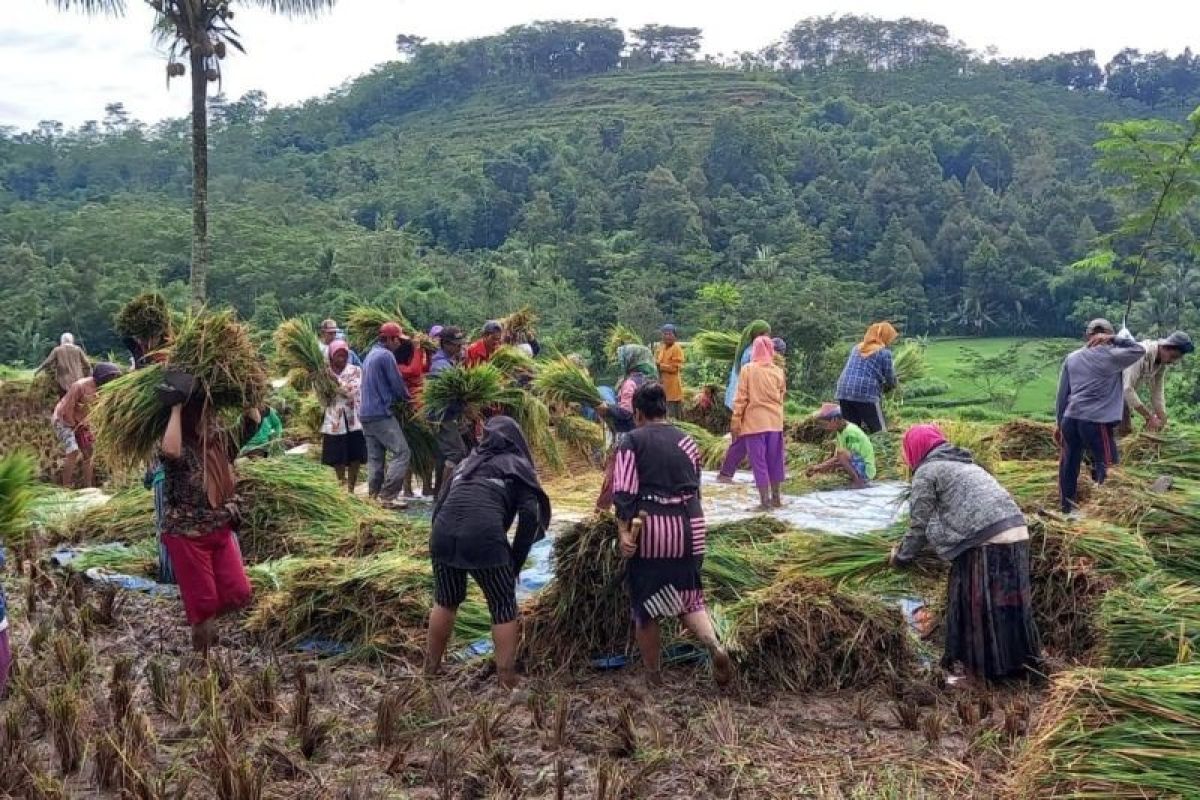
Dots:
pixel 856 169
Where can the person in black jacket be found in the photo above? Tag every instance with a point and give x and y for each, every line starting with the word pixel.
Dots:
pixel 494 485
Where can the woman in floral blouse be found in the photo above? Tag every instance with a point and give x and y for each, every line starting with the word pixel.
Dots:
pixel 343 445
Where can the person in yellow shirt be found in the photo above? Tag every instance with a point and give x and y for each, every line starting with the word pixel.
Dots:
pixel 670 360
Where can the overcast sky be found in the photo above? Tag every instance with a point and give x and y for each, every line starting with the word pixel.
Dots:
pixel 67 67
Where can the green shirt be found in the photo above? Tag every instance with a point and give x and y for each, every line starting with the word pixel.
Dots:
pixel 853 440
pixel 270 430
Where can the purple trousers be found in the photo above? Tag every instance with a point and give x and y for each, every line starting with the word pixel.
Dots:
pixel 766 458
pixel 734 457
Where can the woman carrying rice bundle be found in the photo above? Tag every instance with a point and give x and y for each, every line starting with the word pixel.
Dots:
pixel 971 521
pixel 343 445
pixel 656 480
pixel 471 518
pixel 637 366
pixel 868 373
pixel 737 448
pixel 200 511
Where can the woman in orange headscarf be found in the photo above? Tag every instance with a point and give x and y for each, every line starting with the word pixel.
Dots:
pixel 868 373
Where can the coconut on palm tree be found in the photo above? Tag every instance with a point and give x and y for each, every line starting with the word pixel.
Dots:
pixel 200 32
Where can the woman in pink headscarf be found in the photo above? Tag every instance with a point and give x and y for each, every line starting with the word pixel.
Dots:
pixel 970 520
pixel 343 444
pixel 758 420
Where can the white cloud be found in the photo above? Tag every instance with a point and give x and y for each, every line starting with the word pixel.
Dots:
pixel 67 67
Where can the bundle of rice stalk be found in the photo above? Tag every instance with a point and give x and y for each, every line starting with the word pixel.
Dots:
pixel 363 324
pixel 468 391
pixel 718 346
pixel 16 493
pixel 910 362
pixel 421 438
pixel 513 362
pixel 706 408
pixel 298 353
pixel 532 414
pixel 562 381
pixel 751 531
pixel 584 611
pixel 580 435
pixel 1151 622
pixel 1034 484
pixel 1115 733
pixel 808 430
pixel 802 633
pixel 973 436
pixel 139 558
pixel 145 317
pixel 733 569
pixel 518 326
pixel 128 420
pixel 1169 520
pixel 713 447
pixel 859 560
pixel 127 516
pixel 619 335
pixel 1173 451
pixel 216 349
pixel 1024 440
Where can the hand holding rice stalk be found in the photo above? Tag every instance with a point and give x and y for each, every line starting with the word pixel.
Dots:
pixel 565 382
pixel 468 392
pixel 16 492
pixel 145 317
pixel 298 352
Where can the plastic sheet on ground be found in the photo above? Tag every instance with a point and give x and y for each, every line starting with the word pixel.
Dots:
pixel 840 511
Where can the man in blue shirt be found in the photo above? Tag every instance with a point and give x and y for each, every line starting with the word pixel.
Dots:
pixel 382 388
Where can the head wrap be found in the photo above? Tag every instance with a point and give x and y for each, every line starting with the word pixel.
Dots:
pixel 66 338
pixel 669 328
pixel 829 411
pixel 636 358
pixel 878 336
pixel 337 346
pixel 763 351
pixel 435 331
pixel 919 440
pixel 780 345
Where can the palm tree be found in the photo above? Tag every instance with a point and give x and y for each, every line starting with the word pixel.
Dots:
pixel 200 31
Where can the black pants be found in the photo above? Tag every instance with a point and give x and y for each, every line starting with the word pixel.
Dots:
pixel 1079 436
pixel 499 587
pixel 865 415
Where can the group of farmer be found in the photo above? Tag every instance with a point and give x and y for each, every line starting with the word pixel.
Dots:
pixel 486 478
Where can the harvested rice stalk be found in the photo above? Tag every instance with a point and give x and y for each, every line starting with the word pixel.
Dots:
pixel 808 430
pixel 752 531
pixel 581 435
pixel 127 516
pixel 1025 440
pixel 803 634
pixel 469 391
pixel 713 447
pixel 128 420
pixel 420 436
pixel 718 346
pixel 513 362
pixel 16 493
pixel 564 382
pixel 532 414
pixel 706 408
pixel 732 569
pixel 1152 622
pixel 619 335
pixel 1115 733
pixel 519 326
pixel 298 353
pixel 1034 484
pixel 139 558
pixel 1170 520
pixel 145 317
pixel 363 324
pixel 860 560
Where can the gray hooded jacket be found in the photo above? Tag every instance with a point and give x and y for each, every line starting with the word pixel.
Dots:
pixel 955 505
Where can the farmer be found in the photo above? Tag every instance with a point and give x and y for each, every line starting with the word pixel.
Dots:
pixel 854 454
pixel 413 363
pixel 452 428
pixel 70 423
pixel 970 520
pixel 669 359
pixel 201 512
pixel 480 351
pixel 343 445
pixel 1152 369
pixel 737 449
pixel 656 487
pixel 780 353
pixel 1090 404
pixel 265 431
pixel 330 332
pixel 67 363
pixel 637 366
pixel 382 388
pixel 496 484
pixel 758 421
pixel 868 373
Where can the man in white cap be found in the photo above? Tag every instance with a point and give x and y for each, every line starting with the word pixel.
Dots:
pixel 67 363
pixel 1090 402
pixel 1152 369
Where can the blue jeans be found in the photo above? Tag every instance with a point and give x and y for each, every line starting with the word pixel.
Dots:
pixel 384 437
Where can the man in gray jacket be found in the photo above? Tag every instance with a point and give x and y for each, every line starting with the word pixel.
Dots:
pixel 1091 400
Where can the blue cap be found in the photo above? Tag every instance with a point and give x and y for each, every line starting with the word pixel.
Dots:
pixel 669 328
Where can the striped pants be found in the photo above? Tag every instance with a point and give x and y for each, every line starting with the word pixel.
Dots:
pixel 499 586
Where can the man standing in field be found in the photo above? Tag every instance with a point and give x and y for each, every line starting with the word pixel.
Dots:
pixel 670 360
pixel 480 351
pixel 1090 403
pixel 70 423
pixel 67 363
pixel 382 388
pixel 1152 369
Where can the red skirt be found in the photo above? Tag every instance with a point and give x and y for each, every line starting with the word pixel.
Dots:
pixel 209 571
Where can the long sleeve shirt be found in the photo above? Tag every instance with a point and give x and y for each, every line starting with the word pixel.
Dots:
pixel 1091 386
pixel 1147 369
pixel 758 406
pixel 864 378
pixel 670 366
pixel 67 363
pixel 382 386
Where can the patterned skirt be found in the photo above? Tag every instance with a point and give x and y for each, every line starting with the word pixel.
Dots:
pixel 664 577
pixel 989 613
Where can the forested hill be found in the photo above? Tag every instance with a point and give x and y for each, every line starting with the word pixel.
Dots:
pixel 601 181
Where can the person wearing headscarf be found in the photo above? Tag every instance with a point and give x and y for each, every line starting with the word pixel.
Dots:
pixel 67 363
pixel 868 373
pixel 201 511
pixel 494 485
pixel 963 513
pixel 780 352
pixel 736 453
pixel 343 445
pixel 661 529
pixel 636 364
pixel 70 422
pixel 853 454
pixel 758 420
pixel 670 359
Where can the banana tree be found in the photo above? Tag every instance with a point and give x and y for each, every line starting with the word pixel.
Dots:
pixel 200 33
